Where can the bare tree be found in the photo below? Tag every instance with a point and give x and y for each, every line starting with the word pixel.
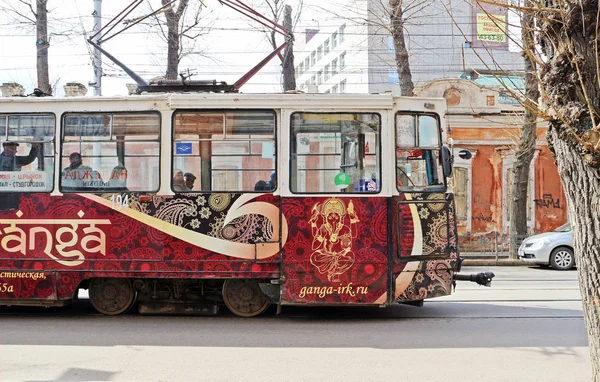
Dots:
pixel 281 13
pixel 568 34
pixel 401 53
pixel 181 28
pixel 34 14
pixel 526 148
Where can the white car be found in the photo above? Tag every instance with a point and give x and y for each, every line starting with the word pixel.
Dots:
pixel 551 248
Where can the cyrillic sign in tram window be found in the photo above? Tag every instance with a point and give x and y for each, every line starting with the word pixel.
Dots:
pixel 27 158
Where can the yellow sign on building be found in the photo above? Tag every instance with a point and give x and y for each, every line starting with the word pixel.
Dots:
pixel 491 28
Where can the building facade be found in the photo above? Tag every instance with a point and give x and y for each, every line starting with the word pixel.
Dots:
pixel 353 52
pixel 481 120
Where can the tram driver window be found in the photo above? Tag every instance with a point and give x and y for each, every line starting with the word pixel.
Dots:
pixel 417 153
pixel 110 152
pixel 27 157
pixel 335 153
pixel 224 151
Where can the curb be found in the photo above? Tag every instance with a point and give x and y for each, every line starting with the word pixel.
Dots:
pixel 493 262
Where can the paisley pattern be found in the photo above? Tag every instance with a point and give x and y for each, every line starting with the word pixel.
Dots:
pixel 433 278
pixel 422 227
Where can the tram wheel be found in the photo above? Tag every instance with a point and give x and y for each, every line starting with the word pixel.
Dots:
pixel 111 296
pixel 244 297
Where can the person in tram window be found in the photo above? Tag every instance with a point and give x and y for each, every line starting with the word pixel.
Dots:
pixel 189 179
pixel 261 185
pixel 118 178
pixel 272 183
pixel 9 159
pixel 77 175
pixel 178 182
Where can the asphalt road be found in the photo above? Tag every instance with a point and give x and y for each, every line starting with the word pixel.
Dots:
pixel 528 327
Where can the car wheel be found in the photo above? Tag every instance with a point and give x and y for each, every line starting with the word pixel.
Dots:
pixel 562 258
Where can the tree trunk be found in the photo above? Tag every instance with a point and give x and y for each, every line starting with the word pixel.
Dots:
pixel 402 63
pixel 173 38
pixel 42 44
pixel 289 76
pixel 526 150
pixel 582 189
pixel 568 32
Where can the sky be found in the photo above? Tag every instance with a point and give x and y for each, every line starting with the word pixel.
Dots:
pixel 233 46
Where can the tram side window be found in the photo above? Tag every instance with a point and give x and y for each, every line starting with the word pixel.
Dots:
pixel 417 153
pixel 335 153
pixel 110 152
pixel 27 159
pixel 225 151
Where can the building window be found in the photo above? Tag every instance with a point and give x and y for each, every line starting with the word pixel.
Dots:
pixel 319 77
pixel 334 40
pixel 319 52
pixel 461 184
pixel 460 192
pixel 342 32
pixel 326 47
pixel 343 86
pixel 334 69
pixel 326 73
pixel 334 89
pixel 313 80
pixel 300 68
pixel 307 63
pixel 328 146
pixel 342 61
pixel 227 151
pixel 507 181
pixel 313 59
pixel 296 72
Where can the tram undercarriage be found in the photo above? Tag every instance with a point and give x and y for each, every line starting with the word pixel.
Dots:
pixel 242 297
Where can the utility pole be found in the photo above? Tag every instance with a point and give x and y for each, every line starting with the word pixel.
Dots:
pixel 97 61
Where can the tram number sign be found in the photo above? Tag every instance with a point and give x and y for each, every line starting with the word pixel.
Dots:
pixel 120 201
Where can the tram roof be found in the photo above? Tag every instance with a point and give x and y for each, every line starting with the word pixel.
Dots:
pixel 312 101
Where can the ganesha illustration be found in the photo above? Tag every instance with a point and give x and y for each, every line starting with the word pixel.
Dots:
pixel 334 228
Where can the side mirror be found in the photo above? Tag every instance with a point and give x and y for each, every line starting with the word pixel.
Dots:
pixel 446 160
pixel 465 154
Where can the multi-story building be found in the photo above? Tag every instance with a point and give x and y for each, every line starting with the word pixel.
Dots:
pixel 354 52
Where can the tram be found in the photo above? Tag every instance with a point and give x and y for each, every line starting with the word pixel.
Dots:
pixel 182 203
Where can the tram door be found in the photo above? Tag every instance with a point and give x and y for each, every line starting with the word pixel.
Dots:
pixel 337 244
pixel 423 214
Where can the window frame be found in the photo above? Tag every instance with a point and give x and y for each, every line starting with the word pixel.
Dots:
pixel 434 189
pixel 508 162
pixel 292 138
pixel 223 111
pixel 52 142
pixel 95 112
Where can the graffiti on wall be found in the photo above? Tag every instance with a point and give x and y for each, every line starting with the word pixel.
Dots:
pixel 547 201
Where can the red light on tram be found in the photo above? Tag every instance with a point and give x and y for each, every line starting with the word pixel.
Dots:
pixel 145 198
